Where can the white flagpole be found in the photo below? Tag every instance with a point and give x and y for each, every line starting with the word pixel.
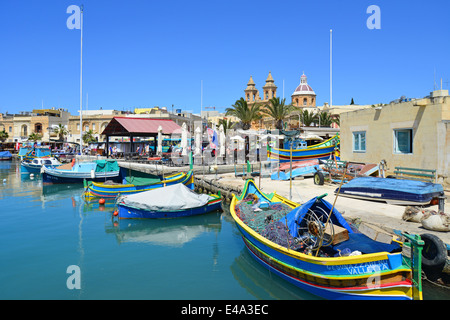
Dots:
pixel 201 101
pixel 81 77
pixel 331 68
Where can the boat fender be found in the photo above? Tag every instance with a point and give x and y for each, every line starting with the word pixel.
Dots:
pixel 101 201
pixel 434 253
pixel 116 213
pixel 92 174
pixel 73 162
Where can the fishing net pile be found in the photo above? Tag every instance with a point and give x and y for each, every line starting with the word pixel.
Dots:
pixel 265 220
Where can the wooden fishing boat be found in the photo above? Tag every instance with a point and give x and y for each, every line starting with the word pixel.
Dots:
pixel 392 191
pixel 76 172
pixel 324 256
pixel 174 201
pixel 112 190
pixel 319 151
pixel 35 165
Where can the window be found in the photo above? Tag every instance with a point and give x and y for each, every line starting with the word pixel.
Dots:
pixel 78 127
pixel 403 141
pixel 305 101
pixel 93 126
pixel 359 141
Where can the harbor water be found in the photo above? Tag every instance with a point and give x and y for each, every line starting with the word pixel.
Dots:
pixel 47 231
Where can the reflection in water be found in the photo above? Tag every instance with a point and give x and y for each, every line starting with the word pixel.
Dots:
pixel 261 283
pixel 166 232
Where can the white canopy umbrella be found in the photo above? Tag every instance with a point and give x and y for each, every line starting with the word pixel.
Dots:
pixel 222 139
pixel 198 141
pixel 184 137
pixel 159 149
pixel 310 136
pixel 239 138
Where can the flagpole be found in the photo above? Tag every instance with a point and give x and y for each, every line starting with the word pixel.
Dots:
pixel 331 68
pixel 81 77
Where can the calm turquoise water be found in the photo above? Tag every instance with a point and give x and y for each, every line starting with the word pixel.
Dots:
pixel 46 229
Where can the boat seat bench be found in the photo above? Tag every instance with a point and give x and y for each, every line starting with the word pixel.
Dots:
pixel 427 175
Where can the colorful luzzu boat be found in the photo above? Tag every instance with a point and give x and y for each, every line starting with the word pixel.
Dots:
pixel 112 190
pixel 284 237
pixel 318 151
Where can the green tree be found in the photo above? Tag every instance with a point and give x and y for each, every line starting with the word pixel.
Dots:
pixel 244 112
pixel 61 131
pixel 324 119
pixel 88 136
pixel 3 135
pixel 227 124
pixel 278 110
pixel 35 137
pixel 308 117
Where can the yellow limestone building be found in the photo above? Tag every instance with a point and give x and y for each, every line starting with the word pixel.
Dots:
pixel 414 134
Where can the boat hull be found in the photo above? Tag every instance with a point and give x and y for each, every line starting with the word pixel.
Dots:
pixel 31 168
pixel 52 177
pixel 379 275
pixel 126 212
pixel 392 191
pixel 102 190
pixel 320 151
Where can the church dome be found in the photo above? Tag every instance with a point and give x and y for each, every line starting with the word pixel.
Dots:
pixel 303 88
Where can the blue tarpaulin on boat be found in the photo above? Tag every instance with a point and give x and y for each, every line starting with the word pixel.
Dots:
pixel 5 154
pixel 295 216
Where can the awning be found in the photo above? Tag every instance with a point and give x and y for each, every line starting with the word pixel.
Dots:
pixel 127 126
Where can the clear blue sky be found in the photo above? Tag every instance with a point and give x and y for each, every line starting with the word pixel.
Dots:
pixel 142 53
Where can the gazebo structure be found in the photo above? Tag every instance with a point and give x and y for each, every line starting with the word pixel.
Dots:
pixel 138 127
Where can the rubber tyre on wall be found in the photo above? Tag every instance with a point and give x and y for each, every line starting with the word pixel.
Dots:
pixel 434 253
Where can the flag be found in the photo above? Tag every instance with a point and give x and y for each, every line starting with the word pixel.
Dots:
pixel 212 137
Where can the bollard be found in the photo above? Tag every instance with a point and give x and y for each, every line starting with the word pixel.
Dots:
pixel 441 203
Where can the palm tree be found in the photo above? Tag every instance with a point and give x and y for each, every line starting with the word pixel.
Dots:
pixel 3 135
pixel 34 137
pixel 227 124
pixel 324 119
pixel 88 137
pixel 308 117
pixel 245 113
pixel 277 110
pixel 61 131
